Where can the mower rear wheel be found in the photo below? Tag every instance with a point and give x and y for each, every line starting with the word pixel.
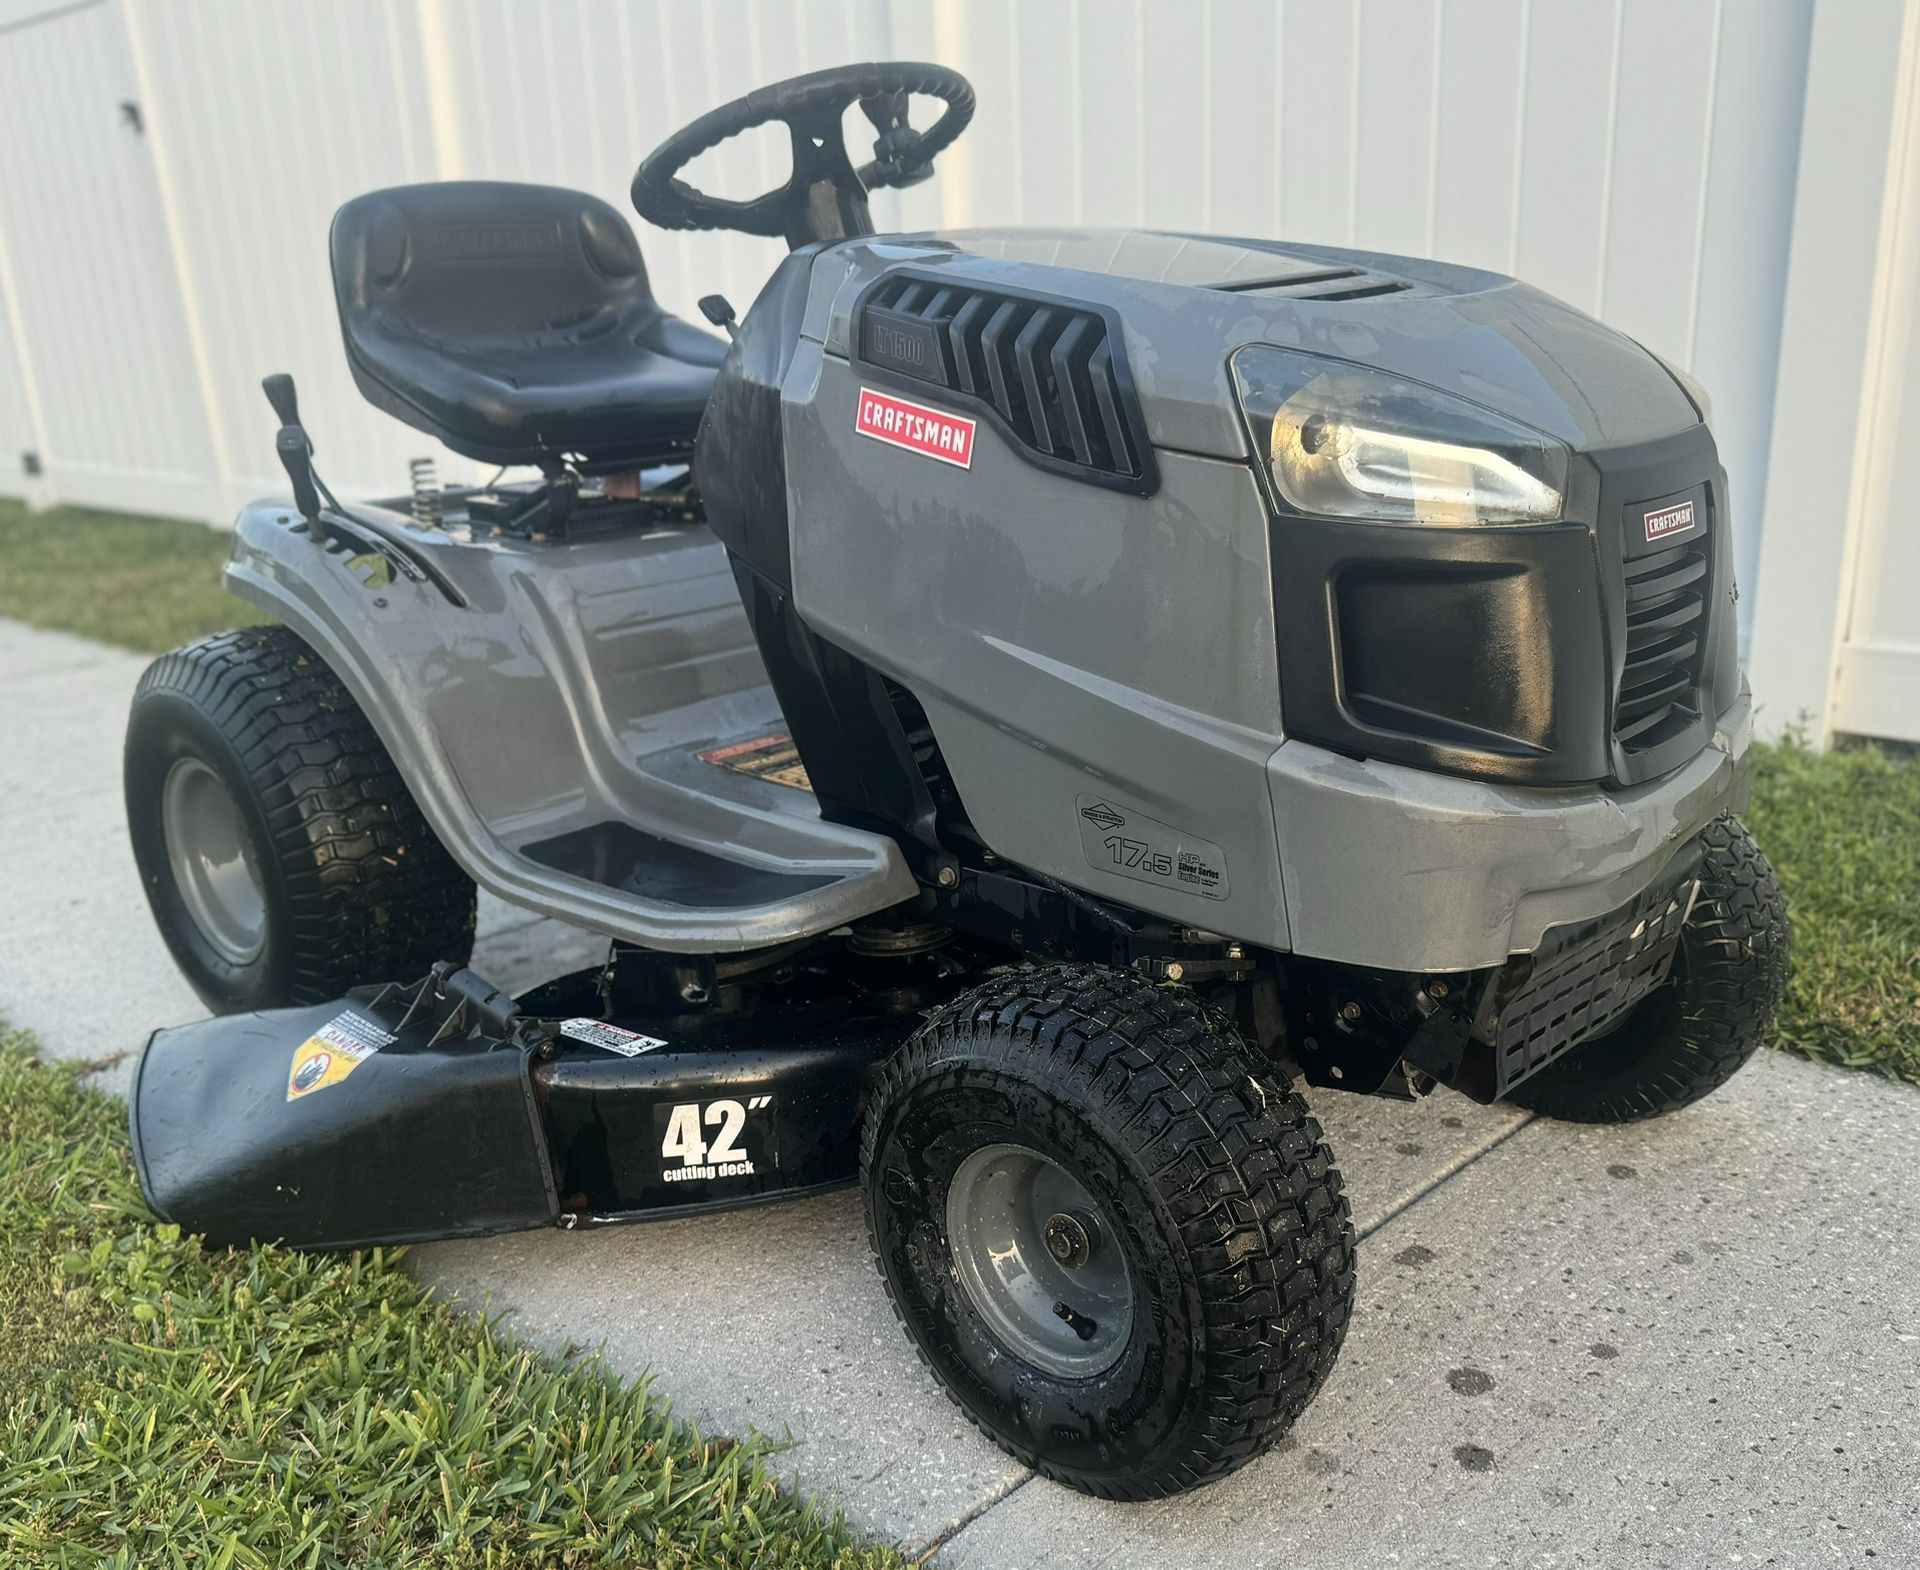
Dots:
pixel 282 855
pixel 1687 1037
pixel 1111 1230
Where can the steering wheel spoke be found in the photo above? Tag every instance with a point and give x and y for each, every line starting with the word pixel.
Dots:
pixel 825 197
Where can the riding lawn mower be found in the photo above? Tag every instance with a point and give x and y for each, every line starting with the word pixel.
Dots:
pixel 1016 702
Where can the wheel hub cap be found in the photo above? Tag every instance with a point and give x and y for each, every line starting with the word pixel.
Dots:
pixel 211 857
pixel 1068 1240
pixel 1038 1262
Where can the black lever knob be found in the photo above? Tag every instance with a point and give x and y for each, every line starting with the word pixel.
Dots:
pixel 718 310
pixel 286 402
pixel 295 448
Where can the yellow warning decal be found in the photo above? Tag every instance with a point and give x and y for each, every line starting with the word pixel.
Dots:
pixel 333 1052
pixel 772 757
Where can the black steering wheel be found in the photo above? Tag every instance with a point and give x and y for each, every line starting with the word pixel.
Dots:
pixel 825 198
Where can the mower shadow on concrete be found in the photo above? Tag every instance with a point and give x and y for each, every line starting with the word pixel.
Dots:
pixel 1682 1339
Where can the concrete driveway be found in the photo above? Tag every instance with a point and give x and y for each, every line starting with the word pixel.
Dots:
pixel 1695 1342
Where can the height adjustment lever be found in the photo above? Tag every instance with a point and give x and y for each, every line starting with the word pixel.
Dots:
pixel 296 450
pixel 718 310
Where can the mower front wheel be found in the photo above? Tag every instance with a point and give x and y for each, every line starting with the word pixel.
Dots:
pixel 1686 1038
pixel 1113 1233
pixel 282 855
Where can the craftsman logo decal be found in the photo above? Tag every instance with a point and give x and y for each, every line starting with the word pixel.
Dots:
pixel 1669 520
pixel 915 427
pixel 704 1140
pixel 333 1052
pixel 597 1033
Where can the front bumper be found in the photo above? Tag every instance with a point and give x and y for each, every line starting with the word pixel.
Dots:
pixel 1398 868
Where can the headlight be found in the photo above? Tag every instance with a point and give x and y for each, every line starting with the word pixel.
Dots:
pixel 1344 442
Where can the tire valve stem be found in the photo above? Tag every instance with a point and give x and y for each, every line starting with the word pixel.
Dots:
pixel 1086 1329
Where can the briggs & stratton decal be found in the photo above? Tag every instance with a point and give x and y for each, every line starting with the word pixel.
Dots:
pixel 1133 845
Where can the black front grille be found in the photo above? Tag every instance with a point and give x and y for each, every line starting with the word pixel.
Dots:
pixel 1584 977
pixel 1667 596
pixel 1052 372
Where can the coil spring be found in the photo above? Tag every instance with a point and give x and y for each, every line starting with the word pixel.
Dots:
pixel 426 490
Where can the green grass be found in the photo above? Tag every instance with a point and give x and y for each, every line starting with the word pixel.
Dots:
pixel 146 584
pixel 161 1406
pixel 1842 828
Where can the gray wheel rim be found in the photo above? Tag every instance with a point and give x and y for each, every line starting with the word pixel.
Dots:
pixel 1069 1319
pixel 211 856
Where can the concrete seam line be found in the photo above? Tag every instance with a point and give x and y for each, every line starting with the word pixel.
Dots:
pixel 970 1515
pixel 1445 1176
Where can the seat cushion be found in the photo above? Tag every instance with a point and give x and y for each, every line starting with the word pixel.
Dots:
pixel 515 323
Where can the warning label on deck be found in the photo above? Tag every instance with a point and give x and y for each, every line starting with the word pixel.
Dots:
pixel 771 757
pixel 598 1033
pixel 333 1052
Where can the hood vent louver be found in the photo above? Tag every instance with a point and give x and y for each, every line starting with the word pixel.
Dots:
pixel 1051 374
pixel 1322 285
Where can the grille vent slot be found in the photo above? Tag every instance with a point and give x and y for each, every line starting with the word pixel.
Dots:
pixel 1052 372
pixel 1667 597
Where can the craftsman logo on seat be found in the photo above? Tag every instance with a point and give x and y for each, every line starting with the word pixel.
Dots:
pixel 1670 520
pixel 915 427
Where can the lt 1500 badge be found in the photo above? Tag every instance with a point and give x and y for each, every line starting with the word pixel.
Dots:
pixel 1120 840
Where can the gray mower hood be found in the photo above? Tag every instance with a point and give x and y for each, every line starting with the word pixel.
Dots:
pixel 1187 302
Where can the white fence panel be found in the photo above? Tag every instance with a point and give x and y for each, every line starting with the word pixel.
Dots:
pixel 575 93
pixel 1637 157
pixel 1833 646
pixel 19 434
pixel 92 271
pixel 1877 680
pixel 1488 131
pixel 268 118
pixel 19 426
pixel 271 116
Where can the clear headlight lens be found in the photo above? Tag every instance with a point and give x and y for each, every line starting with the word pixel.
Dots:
pixel 1344 442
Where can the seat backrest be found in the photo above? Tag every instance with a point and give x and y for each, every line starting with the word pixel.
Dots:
pixel 482 263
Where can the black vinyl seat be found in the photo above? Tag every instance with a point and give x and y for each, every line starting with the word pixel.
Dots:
pixel 514 323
